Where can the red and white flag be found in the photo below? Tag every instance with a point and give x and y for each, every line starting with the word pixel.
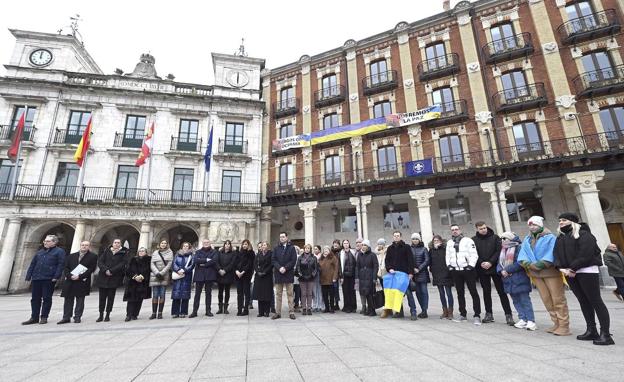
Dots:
pixel 146 149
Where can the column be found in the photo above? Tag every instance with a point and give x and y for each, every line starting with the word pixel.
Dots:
pixel 498 205
pixel 424 212
pixel 144 237
pixel 79 234
pixel 309 220
pixel 203 231
pixel 366 199
pixel 251 234
pixel 9 249
pixel 355 201
pixel 353 80
pixel 265 224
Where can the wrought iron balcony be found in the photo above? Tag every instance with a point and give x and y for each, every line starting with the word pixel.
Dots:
pixel 64 137
pixel 285 107
pixel 508 48
pixel 329 96
pixel 438 67
pixel 233 146
pixel 599 82
pixel 588 27
pixel 520 98
pixel 452 112
pixel 380 82
pixel 7 132
pixel 122 141
pixel 192 145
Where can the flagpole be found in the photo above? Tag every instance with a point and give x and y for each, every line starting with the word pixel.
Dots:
pixel 206 188
pixel 18 157
pixel 81 175
pixel 149 166
pixel 207 175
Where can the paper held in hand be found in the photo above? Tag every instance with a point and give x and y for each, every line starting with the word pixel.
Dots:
pixel 80 269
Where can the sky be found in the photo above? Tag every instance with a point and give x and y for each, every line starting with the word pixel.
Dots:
pixel 182 34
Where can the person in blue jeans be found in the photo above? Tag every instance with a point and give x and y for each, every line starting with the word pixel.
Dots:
pixel 442 276
pixel 421 273
pixel 44 270
pixel 515 280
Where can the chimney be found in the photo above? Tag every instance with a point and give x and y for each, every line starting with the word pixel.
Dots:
pixel 446 4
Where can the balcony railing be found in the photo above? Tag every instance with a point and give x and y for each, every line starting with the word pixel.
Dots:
pixel 569 148
pixel 520 98
pixel 438 67
pixel 233 146
pixel 191 145
pixel 599 82
pixel 508 48
pixel 128 196
pixel 6 133
pixel 452 112
pixel 122 141
pixel 329 96
pixel 65 137
pixel 380 82
pixel 589 27
pixel 285 107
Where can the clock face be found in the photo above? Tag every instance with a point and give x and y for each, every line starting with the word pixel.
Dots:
pixel 237 78
pixel 40 57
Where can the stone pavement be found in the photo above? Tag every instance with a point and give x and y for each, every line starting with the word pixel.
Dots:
pixel 341 347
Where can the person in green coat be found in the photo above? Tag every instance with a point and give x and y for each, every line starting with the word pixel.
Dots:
pixel 614 261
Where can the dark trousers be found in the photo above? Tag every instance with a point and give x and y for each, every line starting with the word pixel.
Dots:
pixel 179 306
pixel 487 292
pixel 224 293
pixel 243 293
pixel 586 288
pixel 41 298
pixel 328 297
pixel 467 279
pixel 349 302
pixel 133 308
pixel 370 305
pixel 297 292
pixel 619 281
pixel 199 286
pixel 264 307
pixel 107 299
pixel 336 291
pixel 68 307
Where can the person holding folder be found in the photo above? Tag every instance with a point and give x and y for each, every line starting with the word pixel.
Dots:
pixel 77 284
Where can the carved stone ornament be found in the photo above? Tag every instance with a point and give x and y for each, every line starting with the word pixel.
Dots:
pixel 145 68
pixel 356 142
pixel 307 154
pixel 483 116
pixel 408 83
pixel 227 231
pixel 401 26
pixel 566 101
pixel 306 109
pixel 463 19
pixel 353 97
pixel 550 47
pixel 473 67
pixel 350 43
pixel 304 59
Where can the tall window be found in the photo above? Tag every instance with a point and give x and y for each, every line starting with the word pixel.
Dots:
pixel 286 175
pixel 330 120
pixel 527 137
pixel 345 220
pixel 581 16
pixel 332 169
pixel 127 180
pixel 378 72
pixel 514 85
pixel 398 218
pixel 188 135
pixel 287 130
pixel 598 66
pixel 230 186
pixel 381 109
pixel 436 56
pixel 233 137
pixel 452 212
pixel 522 205
pixel 444 98
pixel 329 85
pixel 135 131
pixel 451 150
pixel 182 184
pixel 76 126
pixel 287 98
pixel 66 179
pixel 6 175
pixel 613 122
pixel 503 37
pixel 28 121
pixel 386 160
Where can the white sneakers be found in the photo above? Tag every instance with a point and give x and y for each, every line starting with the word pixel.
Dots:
pixel 477 321
pixel 528 325
pixel 522 324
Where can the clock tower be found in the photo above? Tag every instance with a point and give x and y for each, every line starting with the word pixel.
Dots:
pixel 237 71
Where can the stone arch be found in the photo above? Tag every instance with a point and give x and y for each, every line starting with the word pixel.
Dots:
pixel 176 233
pixel 126 231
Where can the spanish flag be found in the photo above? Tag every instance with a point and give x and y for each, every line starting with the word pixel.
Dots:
pixel 83 146
pixel 395 284
pixel 146 149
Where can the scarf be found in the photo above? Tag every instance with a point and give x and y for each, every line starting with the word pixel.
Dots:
pixel 456 240
pixel 508 254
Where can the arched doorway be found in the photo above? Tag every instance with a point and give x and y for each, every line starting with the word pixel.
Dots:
pixel 177 235
pixel 64 233
pixel 127 233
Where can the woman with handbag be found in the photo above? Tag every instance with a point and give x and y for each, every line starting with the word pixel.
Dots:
pixel 182 280
pixel 328 264
pixel 160 276
pixel 263 281
pixel 137 288
pixel 366 270
pixel 226 263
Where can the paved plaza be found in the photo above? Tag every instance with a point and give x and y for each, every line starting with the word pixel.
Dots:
pixel 321 347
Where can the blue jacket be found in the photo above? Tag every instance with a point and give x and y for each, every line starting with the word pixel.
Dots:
pixel 47 264
pixel 422 260
pixel 284 256
pixel 205 264
pixel 182 288
pixel 517 282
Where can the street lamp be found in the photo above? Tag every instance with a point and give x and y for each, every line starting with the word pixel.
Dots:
pixel 286 214
pixel 459 198
pixel 334 210
pixel 390 205
pixel 538 191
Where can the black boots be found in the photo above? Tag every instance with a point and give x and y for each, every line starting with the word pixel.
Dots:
pixel 161 306
pixel 107 317
pixel 225 310
pixel 209 313
pixel 193 314
pixel 590 334
pixel 604 339
pixel 154 309
pixel 220 311
pixel 100 318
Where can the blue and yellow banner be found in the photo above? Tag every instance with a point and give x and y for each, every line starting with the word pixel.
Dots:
pixel 395 285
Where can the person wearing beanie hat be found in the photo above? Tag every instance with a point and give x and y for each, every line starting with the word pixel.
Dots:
pixel 536 255
pixel 416 236
pixel 578 257
pixel 381 241
pixel 366 271
pixel 421 274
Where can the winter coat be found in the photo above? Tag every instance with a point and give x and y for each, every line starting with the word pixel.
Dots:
pixel 226 261
pixel 82 286
pixel 263 282
pixel 399 257
pixel 245 263
pixel 158 266
pixel 329 269
pixel 465 258
pixel 205 265
pixel 614 262
pixel 518 281
pixel 47 264
pixel 347 263
pixel 284 256
pixel 137 291
pixel 488 249
pixel 439 269
pixel 381 259
pixel 577 248
pixel 181 289
pixel 421 262
pixel 366 272
pixel 116 264
pixel 306 267
pixel 537 252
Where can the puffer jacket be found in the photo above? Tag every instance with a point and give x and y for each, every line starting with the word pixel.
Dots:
pixel 182 287
pixel 306 267
pixel 421 262
pixel 518 281
pixel 577 248
pixel 464 258
pixel 347 263
pixel 439 269
pixel 366 272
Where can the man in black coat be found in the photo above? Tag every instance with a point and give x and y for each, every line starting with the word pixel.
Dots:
pixel 488 246
pixel 399 258
pixel 284 259
pixel 205 275
pixel 79 266
pixel 112 264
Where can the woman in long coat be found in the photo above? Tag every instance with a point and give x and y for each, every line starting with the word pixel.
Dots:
pixel 244 271
pixel 137 288
pixel 160 277
pixel 442 276
pixel 263 281
pixel 328 264
pixel 77 287
pixel 225 264
pixel 366 270
pixel 181 291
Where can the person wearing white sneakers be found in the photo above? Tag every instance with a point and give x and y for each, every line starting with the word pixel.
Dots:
pixel 515 280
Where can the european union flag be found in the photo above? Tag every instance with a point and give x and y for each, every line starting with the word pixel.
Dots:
pixel 419 167
pixel 208 155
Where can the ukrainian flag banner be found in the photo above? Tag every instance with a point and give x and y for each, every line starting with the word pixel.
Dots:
pixel 395 285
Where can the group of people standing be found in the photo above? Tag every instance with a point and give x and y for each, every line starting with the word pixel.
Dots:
pixel 313 275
